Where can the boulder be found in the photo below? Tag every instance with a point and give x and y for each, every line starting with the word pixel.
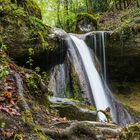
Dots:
pixel 86 23
pixel 73 110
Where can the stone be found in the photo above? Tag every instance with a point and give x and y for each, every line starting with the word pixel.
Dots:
pixel 22 28
pixel 73 110
pixel 86 23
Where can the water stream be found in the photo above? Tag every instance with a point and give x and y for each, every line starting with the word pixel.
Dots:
pixel 89 63
pixel 95 81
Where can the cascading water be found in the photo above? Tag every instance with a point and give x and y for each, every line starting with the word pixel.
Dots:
pixel 91 78
pixel 104 57
pixel 97 41
pixel 95 81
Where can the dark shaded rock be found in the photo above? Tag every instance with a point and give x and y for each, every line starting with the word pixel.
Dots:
pixel 86 23
pixel 123 56
pixel 21 29
pixel 73 110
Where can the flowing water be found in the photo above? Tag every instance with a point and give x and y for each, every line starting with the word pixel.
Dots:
pixel 95 81
pixel 89 63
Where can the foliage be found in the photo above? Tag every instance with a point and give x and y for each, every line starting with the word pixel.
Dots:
pixel 32 83
pixel 3 71
pixel 61 13
pixel 18 137
pixel 4 67
pixel 37 22
pixel 30 60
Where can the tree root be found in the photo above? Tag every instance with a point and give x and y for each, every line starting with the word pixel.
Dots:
pixel 84 131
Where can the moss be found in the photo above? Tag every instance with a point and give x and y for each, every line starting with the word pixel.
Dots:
pixel 131 132
pixel 77 91
pixel 87 107
pixel 32 82
pixel 93 18
pixel 30 6
pixel 82 105
pixel 43 42
pixel 74 89
pixel 80 16
pixel 38 23
pixel 1 9
pixel 41 136
pixel 129 96
pixel 1 42
pixel 74 110
pixel 22 29
pixel 27 116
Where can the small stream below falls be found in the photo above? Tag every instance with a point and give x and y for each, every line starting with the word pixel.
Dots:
pixel 89 64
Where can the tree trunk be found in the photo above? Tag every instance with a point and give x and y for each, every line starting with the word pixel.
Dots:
pixel 89 6
pixel 120 4
pixel 138 3
pixel 58 15
pixel 66 14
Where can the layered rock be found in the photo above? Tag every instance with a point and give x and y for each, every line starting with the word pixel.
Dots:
pixel 73 110
pixel 123 54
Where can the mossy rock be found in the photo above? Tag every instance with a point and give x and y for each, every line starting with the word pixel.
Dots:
pixel 21 28
pixel 29 6
pixel 73 110
pixel 86 23
pixel 131 132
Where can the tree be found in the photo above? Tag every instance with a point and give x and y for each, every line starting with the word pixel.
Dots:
pixel 89 4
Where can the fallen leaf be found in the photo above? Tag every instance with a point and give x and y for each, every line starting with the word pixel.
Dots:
pixel 7 94
pixel 12 66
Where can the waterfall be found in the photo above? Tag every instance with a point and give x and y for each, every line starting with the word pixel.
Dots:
pixel 97 42
pixel 58 80
pixel 95 81
pixel 84 62
pixel 104 56
pixel 60 75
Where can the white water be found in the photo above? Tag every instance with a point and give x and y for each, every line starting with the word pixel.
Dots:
pixel 95 81
pixel 104 57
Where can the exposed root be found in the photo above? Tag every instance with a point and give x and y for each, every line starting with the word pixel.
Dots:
pixel 21 90
pixel 84 131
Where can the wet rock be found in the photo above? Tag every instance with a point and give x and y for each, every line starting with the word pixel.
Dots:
pixel 123 56
pixel 73 110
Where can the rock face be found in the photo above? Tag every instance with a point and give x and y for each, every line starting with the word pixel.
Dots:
pixel 123 54
pixel 21 28
pixel 86 23
pixel 73 110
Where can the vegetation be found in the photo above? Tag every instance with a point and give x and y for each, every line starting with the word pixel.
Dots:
pixel 63 14
pixel 30 48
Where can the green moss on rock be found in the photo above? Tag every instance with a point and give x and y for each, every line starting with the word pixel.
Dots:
pixel 29 6
pixel 131 132
pixel 86 22
pixel 73 110
pixel 21 28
